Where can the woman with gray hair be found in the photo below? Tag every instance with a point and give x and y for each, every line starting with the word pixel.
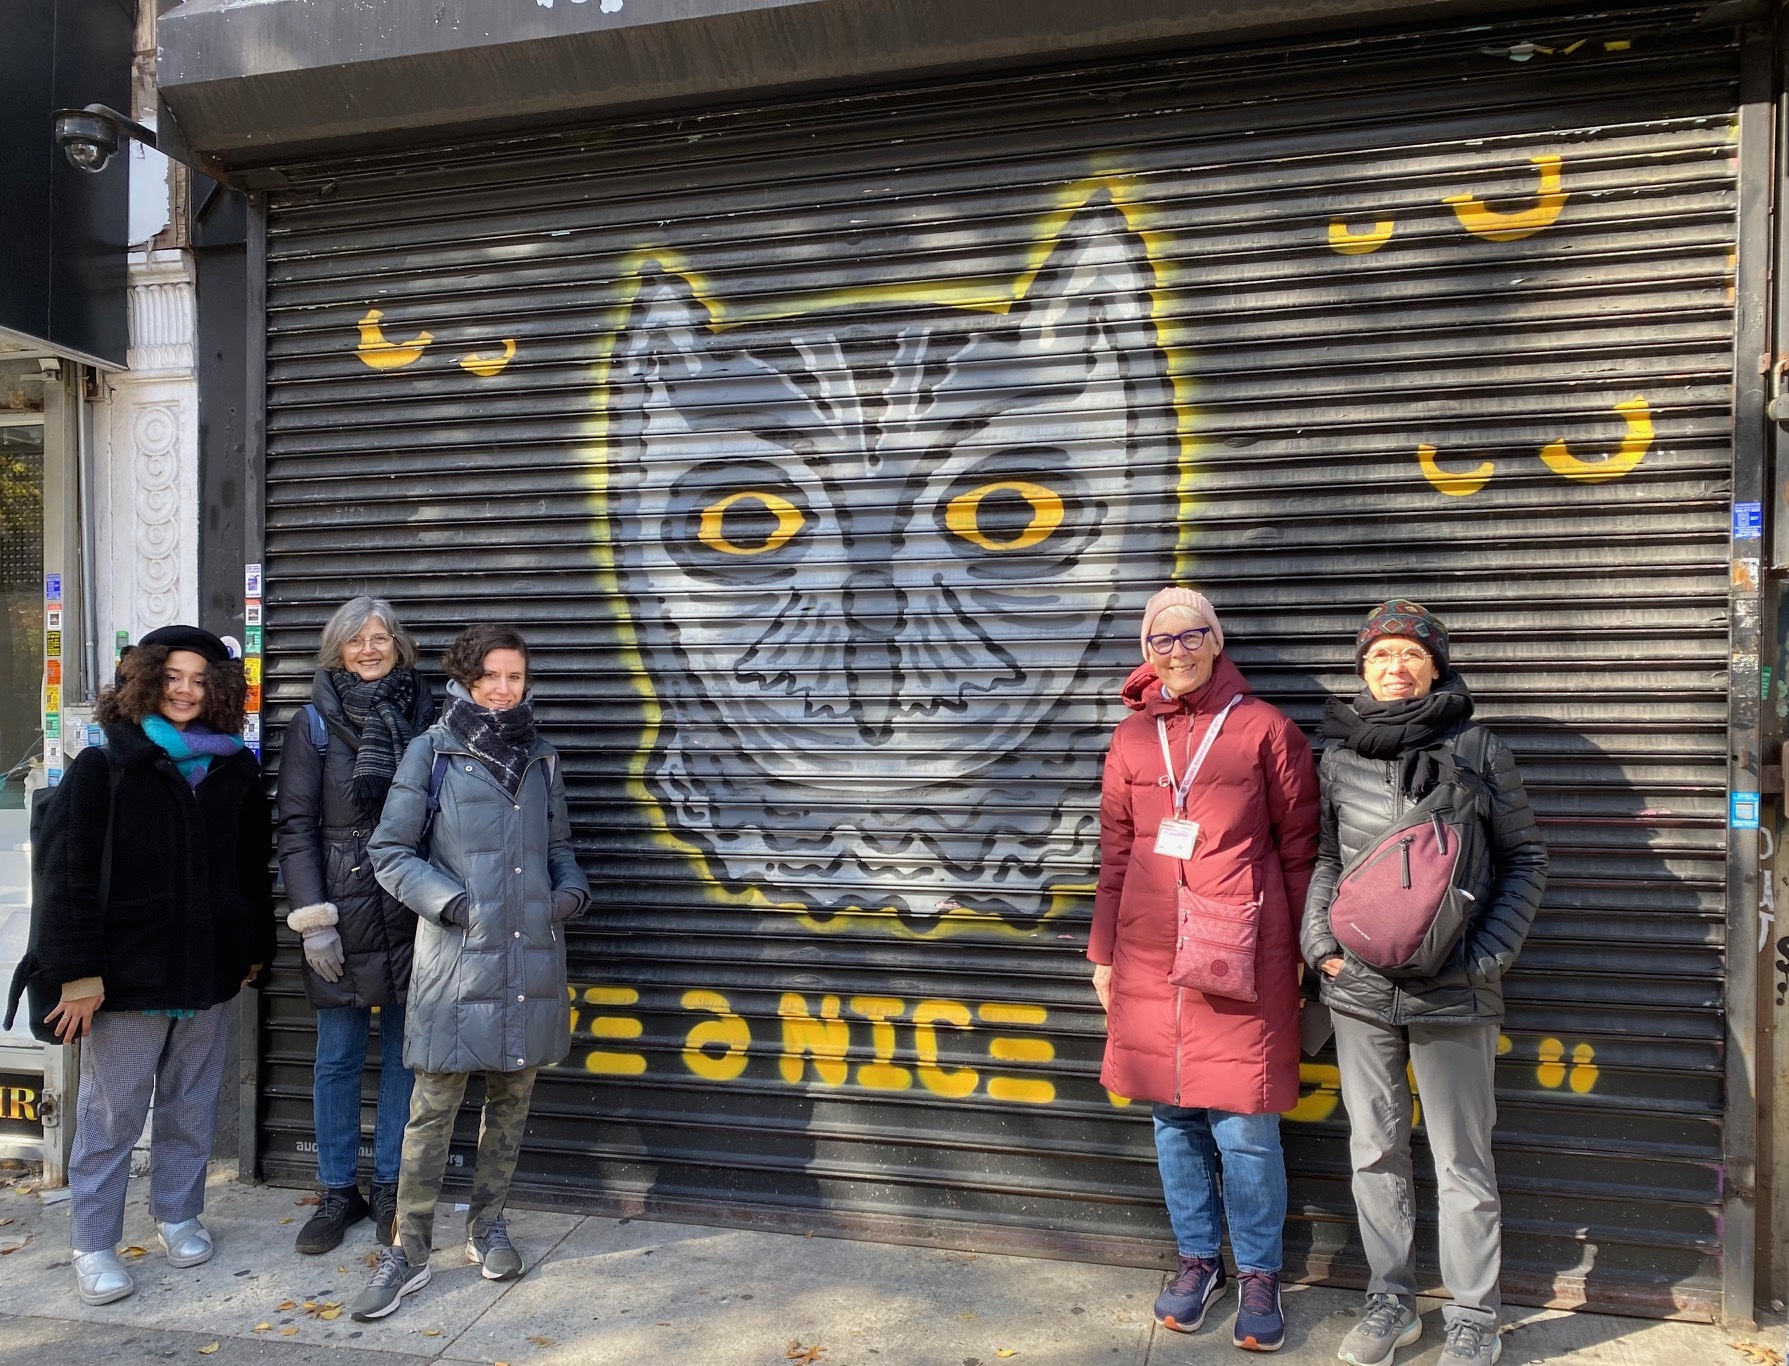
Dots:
pixel 341 750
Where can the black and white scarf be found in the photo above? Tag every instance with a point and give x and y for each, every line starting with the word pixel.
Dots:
pixel 500 740
pixel 1412 729
pixel 381 712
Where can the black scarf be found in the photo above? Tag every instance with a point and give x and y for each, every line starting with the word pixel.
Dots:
pixel 500 740
pixel 380 712
pixel 1411 728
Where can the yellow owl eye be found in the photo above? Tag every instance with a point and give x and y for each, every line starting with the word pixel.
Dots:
pixel 712 529
pixel 963 515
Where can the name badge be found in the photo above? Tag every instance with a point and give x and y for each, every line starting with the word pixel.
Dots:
pixel 1176 838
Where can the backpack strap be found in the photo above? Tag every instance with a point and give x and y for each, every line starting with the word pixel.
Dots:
pixel 432 808
pixel 1472 751
pixel 319 731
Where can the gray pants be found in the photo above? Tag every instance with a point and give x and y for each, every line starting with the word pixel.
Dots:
pixel 1453 1066
pixel 124 1059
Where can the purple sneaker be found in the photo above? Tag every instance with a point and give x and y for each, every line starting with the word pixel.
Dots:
pixel 1183 1304
pixel 1260 1322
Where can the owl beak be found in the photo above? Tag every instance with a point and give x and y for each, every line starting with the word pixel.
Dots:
pixel 874 609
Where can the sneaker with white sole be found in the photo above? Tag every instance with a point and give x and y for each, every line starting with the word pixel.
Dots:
pixel 493 1251
pixel 1471 1344
pixel 1387 1325
pixel 393 1279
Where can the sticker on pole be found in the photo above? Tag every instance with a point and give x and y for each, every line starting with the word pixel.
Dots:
pixel 52 587
pixel 1742 810
pixel 251 581
pixel 1748 521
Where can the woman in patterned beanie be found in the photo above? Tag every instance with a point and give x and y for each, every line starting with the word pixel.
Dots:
pixel 1409 730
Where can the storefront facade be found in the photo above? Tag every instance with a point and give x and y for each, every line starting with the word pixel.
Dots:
pixel 826 446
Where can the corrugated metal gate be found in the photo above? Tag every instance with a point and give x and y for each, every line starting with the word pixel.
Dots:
pixel 826 452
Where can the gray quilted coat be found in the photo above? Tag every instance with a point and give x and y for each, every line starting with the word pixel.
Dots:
pixel 1361 797
pixel 488 994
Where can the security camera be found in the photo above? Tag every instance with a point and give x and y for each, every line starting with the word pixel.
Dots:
pixel 89 137
pixel 49 367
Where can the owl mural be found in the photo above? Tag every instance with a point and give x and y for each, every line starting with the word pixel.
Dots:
pixel 868 552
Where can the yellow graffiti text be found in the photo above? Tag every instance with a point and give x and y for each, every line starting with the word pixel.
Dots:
pixel 487 366
pixel 1358 242
pixel 1455 485
pixel 950 1082
pixel 715 1049
pixel 1626 459
pixel 827 1040
pixel 602 1061
pixel 1553 1072
pixel 380 354
pixel 1549 203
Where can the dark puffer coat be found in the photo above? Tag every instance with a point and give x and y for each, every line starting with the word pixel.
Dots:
pixel 323 856
pixel 190 904
pixel 1361 797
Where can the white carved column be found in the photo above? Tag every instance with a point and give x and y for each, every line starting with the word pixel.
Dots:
pixel 148 483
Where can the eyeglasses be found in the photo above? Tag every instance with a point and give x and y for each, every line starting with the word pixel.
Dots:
pixel 1191 639
pixel 378 642
pixel 1384 659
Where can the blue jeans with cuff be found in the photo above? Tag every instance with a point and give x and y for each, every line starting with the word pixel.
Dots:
pixel 335 1094
pixel 1187 1144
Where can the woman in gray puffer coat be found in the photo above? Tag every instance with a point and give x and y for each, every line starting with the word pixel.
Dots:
pixel 1390 746
pixel 476 840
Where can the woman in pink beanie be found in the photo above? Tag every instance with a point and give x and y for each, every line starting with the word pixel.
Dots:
pixel 1211 789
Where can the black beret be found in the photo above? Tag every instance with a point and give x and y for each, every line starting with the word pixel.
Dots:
pixel 188 638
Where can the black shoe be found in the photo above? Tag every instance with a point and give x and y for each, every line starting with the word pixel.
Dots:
pixel 383 1201
pixel 323 1231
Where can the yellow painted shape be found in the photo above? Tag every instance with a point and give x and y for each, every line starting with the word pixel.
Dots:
pixel 826 1040
pixel 1551 1072
pixel 380 354
pixel 486 366
pixel 1046 514
pixel 951 1082
pixel 611 996
pixel 789 521
pixel 1120 1101
pixel 1125 190
pixel 730 1032
pixel 1617 45
pixel 1350 242
pixel 614 1064
pixel 1558 458
pixel 615 1027
pixel 1549 203
pixel 1454 485
pixel 1504 1044
pixel 1319 1103
pixel 1416 1105
pixel 1024 1090
pixel 881 1075
pixel 1584 1071
pixel 1021 1050
pixel 1004 1012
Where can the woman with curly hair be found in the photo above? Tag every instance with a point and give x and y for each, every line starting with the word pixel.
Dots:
pixel 476 840
pixel 157 908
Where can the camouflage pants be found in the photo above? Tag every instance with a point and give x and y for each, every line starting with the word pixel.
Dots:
pixel 433 1105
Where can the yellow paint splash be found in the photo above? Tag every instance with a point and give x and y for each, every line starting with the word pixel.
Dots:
pixel 487 366
pixel 1454 485
pixel 1358 242
pixel 1626 459
pixel 1549 203
pixel 376 352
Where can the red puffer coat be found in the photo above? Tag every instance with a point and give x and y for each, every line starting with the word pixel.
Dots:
pixel 1256 804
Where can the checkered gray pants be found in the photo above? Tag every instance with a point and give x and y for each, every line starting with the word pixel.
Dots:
pixel 126 1058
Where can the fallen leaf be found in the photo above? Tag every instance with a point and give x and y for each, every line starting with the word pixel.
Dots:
pixel 331 1314
pixel 806 1355
pixel 7 1249
pixel 207 1351
pixel 662 1323
pixel 541 1342
pixel 965 1316
pixel 1006 1351
pixel 284 1305
pixel 372 1259
pixel 4 1222
pixel 431 1332
pixel 1757 1352
pixel 309 1200
pixel 341 1271
pixel 291 1330
pixel 134 1252
pixel 262 1328
pixel 287 1219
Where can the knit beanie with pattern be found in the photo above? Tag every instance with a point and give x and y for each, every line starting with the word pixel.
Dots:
pixel 1402 617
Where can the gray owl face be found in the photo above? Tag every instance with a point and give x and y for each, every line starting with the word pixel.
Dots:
pixel 868 552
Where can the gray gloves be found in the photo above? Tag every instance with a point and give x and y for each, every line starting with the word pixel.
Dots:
pixel 323 951
pixel 567 902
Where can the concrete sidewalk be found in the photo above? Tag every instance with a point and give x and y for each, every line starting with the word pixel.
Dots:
pixel 602 1291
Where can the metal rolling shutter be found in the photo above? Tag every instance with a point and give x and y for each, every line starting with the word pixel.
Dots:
pixel 826 452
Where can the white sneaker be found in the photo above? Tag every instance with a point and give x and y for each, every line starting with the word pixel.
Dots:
pixel 186 1243
pixel 101 1277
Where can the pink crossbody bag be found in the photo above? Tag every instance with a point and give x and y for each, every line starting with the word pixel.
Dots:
pixel 1215 942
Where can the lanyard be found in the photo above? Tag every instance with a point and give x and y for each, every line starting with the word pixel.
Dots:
pixel 1185 784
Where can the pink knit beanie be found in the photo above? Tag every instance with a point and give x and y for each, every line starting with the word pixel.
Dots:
pixel 1171 596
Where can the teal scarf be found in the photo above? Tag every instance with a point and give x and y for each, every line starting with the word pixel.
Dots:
pixel 191 749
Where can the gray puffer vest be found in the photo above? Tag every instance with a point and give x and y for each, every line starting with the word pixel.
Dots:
pixel 1361 797
pixel 489 994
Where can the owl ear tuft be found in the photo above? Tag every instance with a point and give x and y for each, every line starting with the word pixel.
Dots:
pixel 1097 262
pixel 667 320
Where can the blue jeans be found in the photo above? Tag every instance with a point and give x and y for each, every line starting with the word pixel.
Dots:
pixel 1187 1143
pixel 335 1094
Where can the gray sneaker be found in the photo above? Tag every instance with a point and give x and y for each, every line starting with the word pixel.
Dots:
pixel 493 1250
pixel 1387 1325
pixel 1471 1344
pixel 394 1279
